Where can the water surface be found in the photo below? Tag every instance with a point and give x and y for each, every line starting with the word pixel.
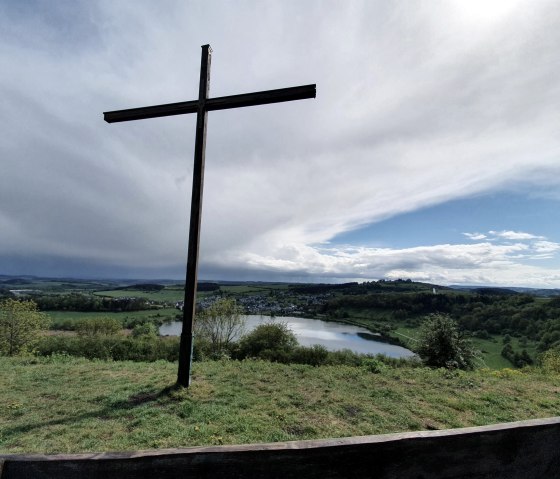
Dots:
pixel 334 336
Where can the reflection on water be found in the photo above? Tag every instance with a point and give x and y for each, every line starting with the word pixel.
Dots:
pixel 334 336
pixel 368 336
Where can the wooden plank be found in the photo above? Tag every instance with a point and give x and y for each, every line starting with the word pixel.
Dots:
pixel 189 306
pixel 213 104
pixel 519 450
pixel 262 97
pixel 151 111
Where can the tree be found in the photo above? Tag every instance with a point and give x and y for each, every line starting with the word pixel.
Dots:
pixel 21 324
pixel 442 345
pixel 220 323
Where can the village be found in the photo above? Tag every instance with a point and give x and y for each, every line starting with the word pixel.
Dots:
pixel 281 303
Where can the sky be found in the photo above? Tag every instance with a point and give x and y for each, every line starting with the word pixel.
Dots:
pixel 432 150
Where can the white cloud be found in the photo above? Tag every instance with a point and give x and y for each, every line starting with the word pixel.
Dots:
pixel 546 247
pixel 413 109
pixel 479 263
pixel 475 236
pixel 515 235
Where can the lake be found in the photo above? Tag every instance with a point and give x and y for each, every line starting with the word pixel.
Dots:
pixel 333 336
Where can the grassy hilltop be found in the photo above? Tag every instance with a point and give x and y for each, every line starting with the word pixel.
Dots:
pixel 63 404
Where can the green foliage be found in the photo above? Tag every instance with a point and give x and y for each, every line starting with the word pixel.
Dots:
pixel 316 355
pixel 21 325
pixel 220 324
pixel 374 365
pixel 550 361
pixel 102 326
pixel 519 360
pixel 442 345
pixel 145 330
pixel 89 303
pixel 115 348
pixel 272 341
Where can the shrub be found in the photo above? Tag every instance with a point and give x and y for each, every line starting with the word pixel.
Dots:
pixel 316 355
pixel 117 348
pixel 145 330
pixel 21 324
pixel 220 324
pixel 102 326
pixel 519 360
pixel 550 361
pixel 442 345
pixel 374 365
pixel 271 341
pixel 345 357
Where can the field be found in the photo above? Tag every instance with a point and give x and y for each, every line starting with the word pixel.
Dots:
pixel 166 295
pixel 163 313
pixel 50 405
pixel 252 288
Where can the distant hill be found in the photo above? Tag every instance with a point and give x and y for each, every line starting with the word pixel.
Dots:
pixel 382 286
pixel 16 281
pixel 541 292
pixel 147 287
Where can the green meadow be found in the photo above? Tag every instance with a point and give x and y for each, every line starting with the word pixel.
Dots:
pixel 63 405
pixel 58 317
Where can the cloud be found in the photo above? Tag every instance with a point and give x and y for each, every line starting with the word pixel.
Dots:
pixel 515 235
pixel 475 236
pixel 413 109
pixel 479 263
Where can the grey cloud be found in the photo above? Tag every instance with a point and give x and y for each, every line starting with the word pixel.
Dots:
pixel 414 108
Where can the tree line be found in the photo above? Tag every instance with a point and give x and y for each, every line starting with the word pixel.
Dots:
pixel 484 314
pixel 89 303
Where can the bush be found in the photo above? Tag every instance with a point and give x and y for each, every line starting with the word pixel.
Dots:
pixel 519 360
pixel 149 330
pixel 550 361
pixel 374 365
pixel 441 344
pixel 271 341
pixel 220 324
pixel 315 355
pixel 21 324
pixel 111 347
pixel 102 326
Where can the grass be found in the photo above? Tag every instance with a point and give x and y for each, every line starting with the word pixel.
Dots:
pixel 163 313
pixel 491 348
pixel 146 313
pixel 165 295
pixel 50 405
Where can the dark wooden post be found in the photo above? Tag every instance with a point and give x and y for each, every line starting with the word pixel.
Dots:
pixel 189 306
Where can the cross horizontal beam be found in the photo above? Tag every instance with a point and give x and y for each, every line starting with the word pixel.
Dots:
pixel 212 104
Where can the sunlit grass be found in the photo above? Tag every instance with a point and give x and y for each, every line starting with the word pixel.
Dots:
pixel 71 405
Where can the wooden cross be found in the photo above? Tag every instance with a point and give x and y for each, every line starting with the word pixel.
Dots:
pixel 201 107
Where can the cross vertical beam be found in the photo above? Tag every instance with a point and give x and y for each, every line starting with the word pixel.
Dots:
pixel 189 305
pixel 201 107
